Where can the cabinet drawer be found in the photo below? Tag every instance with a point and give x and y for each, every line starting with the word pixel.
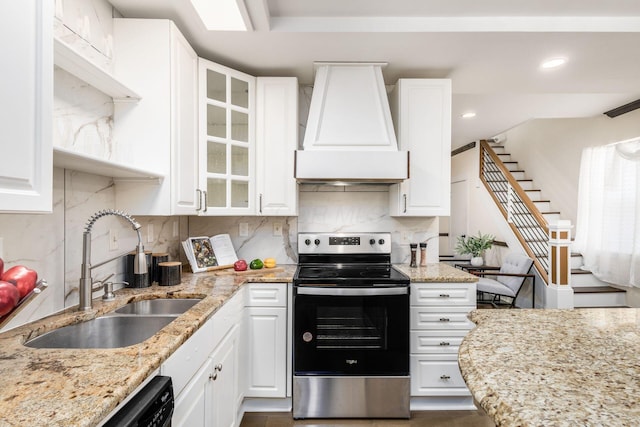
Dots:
pixel 436 375
pixel 443 294
pixel 227 316
pixel 266 295
pixel 436 342
pixel 441 318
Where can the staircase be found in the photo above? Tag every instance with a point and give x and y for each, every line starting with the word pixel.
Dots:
pixel 589 291
pixel 510 188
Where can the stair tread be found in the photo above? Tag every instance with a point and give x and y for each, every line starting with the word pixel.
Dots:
pixel 595 289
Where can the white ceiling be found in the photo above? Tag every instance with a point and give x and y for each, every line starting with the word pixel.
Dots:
pixel 491 49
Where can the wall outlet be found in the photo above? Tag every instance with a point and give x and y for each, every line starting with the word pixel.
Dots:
pixel 176 230
pixel 113 240
pixel 150 233
pixel 277 229
pixel 243 229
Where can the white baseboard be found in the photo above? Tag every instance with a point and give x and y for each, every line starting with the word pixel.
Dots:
pixel 443 403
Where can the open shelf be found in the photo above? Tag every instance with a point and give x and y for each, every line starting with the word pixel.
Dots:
pixel 68 159
pixel 70 60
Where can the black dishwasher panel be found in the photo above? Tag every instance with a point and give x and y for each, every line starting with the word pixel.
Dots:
pixel 151 406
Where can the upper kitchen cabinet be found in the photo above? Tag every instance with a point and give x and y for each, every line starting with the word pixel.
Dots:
pixel 159 131
pixel 276 142
pixel 422 117
pixel 227 140
pixel 26 42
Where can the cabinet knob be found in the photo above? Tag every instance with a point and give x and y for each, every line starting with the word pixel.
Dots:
pixel 213 377
pixel 218 367
pixel 445 377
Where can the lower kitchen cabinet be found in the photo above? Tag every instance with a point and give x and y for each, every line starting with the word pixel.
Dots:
pixel 209 399
pixel 192 408
pixel 242 351
pixel 204 370
pixel 223 382
pixel 438 324
pixel 266 340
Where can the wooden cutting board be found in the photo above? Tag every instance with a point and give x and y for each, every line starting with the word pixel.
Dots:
pixel 248 272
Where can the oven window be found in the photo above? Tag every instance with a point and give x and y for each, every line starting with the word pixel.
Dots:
pixel 349 335
pixel 351 328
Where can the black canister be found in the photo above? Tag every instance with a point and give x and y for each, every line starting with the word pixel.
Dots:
pixel 155 270
pixel 138 280
pixel 170 273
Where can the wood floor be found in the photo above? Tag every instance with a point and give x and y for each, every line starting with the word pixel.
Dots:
pixel 418 419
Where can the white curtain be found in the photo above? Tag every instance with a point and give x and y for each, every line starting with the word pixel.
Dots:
pixel 608 222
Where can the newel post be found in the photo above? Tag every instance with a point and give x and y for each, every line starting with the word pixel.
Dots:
pixel 560 292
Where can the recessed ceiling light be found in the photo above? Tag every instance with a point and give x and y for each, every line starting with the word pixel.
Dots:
pixel 469 115
pixel 553 63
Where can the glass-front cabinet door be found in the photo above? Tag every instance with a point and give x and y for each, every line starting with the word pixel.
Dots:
pixel 227 140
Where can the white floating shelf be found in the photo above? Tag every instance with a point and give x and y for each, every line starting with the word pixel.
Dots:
pixel 74 63
pixel 68 159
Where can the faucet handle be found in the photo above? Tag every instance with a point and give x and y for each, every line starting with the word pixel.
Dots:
pixel 100 283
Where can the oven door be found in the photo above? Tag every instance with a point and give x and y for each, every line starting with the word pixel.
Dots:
pixel 351 331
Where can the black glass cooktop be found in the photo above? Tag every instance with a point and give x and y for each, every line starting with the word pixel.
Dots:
pixel 349 275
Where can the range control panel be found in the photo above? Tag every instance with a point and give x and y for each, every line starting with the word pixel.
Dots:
pixel 344 243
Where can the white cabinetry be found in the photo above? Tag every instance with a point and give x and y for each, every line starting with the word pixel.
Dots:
pixel 160 131
pixel 227 140
pixel 26 90
pixel 422 116
pixel 205 371
pixel 266 340
pixel 276 141
pixel 224 381
pixel 438 324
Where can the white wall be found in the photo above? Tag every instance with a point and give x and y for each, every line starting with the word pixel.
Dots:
pixel 549 150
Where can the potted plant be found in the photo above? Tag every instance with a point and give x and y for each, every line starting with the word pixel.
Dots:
pixel 475 246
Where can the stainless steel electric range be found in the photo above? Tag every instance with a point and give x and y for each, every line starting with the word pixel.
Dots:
pixel 351 328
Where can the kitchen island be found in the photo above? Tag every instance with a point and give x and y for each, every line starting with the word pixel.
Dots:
pixel 555 367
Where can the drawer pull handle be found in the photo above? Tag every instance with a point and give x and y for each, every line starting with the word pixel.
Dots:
pixel 444 319
pixel 445 377
pixel 218 367
pixel 213 377
pixel 444 295
pixel 444 343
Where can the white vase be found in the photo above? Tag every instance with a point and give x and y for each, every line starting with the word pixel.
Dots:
pixel 477 261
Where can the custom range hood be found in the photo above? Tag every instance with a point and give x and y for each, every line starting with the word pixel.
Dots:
pixel 350 136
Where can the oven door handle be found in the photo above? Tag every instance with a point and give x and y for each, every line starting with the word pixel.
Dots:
pixel 334 291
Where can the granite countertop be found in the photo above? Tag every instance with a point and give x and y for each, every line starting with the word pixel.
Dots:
pixel 438 272
pixel 80 387
pixel 555 367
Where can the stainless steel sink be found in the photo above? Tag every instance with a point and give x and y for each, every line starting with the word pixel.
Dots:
pixel 161 306
pixel 102 332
